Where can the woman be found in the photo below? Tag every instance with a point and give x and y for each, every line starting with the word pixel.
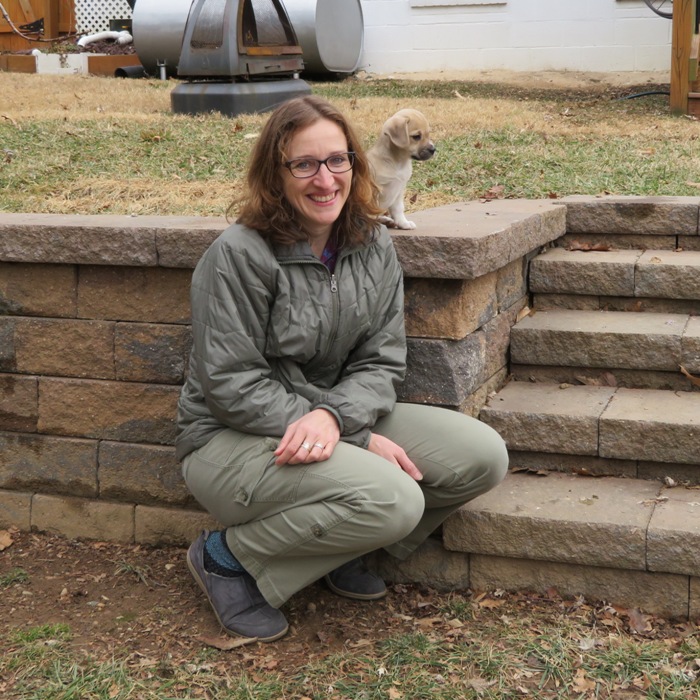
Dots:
pixel 288 426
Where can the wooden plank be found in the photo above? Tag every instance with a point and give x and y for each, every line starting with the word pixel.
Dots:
pixel 28 11
pixel 683 11
pixel 50 8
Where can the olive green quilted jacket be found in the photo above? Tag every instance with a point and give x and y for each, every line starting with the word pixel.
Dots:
pixel 275 335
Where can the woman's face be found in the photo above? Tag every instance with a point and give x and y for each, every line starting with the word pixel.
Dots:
pixel 318 200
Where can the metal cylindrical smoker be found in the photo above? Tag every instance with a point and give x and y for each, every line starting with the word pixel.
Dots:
pixel 331 33
pixel 158 27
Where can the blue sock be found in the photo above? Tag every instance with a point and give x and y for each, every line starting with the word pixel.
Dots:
pixel 218 558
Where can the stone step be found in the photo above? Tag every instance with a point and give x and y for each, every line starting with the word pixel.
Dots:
pixel 641 274
pixel 608 340
pixel 626 541
pixel 639 431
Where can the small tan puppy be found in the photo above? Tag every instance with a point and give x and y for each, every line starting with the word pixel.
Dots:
pixel 404 137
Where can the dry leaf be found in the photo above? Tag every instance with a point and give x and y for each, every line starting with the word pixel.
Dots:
pixel 639 622
pixel 523 313
pixel 5 540
pixel 582 684
pixel 456 94
pixel 394 694
pixel 694 380
pixel 227 643
pixel 693 184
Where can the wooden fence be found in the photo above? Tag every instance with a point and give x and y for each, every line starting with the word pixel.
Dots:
pixel 58 19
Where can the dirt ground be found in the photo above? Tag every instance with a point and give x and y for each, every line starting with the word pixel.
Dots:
pixel 144 600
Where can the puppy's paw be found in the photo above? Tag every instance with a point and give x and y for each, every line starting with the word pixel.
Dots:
pixel 406 225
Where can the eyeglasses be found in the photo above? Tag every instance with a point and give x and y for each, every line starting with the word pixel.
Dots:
pixel 308 167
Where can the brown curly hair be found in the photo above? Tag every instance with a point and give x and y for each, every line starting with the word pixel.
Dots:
pixel 264 206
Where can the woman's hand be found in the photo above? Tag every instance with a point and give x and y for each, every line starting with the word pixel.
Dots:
pixel 384 447
pixel 312 438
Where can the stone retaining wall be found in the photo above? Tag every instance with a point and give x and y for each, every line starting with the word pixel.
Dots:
pixel 94 339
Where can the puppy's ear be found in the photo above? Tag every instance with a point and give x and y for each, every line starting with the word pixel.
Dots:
pixel 396 128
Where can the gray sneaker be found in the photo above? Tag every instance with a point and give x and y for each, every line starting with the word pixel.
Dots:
pixel 354 580
pixel 237 602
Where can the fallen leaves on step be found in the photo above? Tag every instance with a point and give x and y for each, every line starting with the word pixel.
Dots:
pixel 694 380
pixel 587 246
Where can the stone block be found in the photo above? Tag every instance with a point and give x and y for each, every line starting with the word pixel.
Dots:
pixel 694 607
pixel 7 344
pixel 68 239
pixel 649 305
pixel 674 533
pixel 632 215
pixel 608 340
pixel 668 274
pixel 650 425
pixel 64 348
pixel 444 372
pixel 141 474
pixel 172 526
pixel 547 418
pixel 123 411
pixel 449 308
pixel 585 465
pixel 149 352
pixel 680 473
pixel 546 302
pixel 613 241
pixel 690 358
pixel 471 239
pixel 83 518
pixel 473 404
pixel 605 273
pixel 629 378
pixel 183 248
pixel 19 403
pixel 560 517
pixel 660 594
pixel 48 464
pixel 15 510
pixel 497 338
pixel 38 290
pixel 431 564
pixel 511 284
pixel 149 295
pixel 689 242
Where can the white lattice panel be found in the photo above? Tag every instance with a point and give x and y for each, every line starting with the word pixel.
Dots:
pixel 92 16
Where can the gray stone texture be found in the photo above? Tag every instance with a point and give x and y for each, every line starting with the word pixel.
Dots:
pixel 674 533
pixel 19 403
pixel 632 215
pixel 606 339
pixel 548 418
pixel 151 352
pixel 669 275
pixel 38 290
pixel 608 273
pixel 562 518
pixel 430 565
pixel 612 241
pixel 15 510
pixel 176 526
pixel 147 295
pixel 48 464
pixel 83 518
pixel 691 345
pixel 123 411
pixel 660 594
pixel 656 426
pixel 141 474
pixel 471 239
pixel 585 465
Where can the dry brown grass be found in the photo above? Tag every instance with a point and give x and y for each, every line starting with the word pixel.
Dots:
pixel 78 144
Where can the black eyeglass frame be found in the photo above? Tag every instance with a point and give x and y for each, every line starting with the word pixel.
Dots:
pixel 351 160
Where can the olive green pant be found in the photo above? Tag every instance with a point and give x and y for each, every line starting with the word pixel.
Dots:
pixel 290 525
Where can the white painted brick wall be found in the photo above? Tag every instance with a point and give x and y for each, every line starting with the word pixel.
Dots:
pixel 527 35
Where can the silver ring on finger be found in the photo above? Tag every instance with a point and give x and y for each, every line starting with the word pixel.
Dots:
pixel 306 446
pixel 320 446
